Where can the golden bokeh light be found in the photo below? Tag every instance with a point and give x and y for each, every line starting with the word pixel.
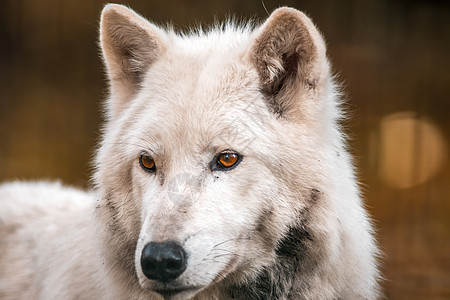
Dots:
pixel 411 150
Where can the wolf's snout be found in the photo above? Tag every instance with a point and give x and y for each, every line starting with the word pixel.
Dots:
pixel 163 261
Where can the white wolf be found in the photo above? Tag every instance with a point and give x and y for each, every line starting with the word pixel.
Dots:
pixel 222 174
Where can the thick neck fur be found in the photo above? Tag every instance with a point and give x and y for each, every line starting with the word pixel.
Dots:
pixel 278 281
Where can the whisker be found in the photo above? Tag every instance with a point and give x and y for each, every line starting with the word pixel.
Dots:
pixel 221 249
pixel 231 240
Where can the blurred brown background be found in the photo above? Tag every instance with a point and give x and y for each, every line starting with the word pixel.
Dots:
pixel 392 57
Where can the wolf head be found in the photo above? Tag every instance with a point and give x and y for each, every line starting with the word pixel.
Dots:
pixel 220 157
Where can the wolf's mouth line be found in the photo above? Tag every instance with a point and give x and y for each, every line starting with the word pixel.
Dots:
pixel 173 291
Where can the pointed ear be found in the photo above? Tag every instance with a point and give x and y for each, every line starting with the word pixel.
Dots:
pixel 130 44
pixel 290 57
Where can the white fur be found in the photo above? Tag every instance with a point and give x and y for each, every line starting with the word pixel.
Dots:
pixel 182 99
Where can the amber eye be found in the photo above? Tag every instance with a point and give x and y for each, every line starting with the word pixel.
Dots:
pixel 147 163
pixel 226 160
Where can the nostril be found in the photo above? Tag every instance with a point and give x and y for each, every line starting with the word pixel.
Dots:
pixel 164 261
pixel 174 265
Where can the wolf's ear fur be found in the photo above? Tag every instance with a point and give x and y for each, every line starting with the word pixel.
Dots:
pixel 130 44
pixel 290 57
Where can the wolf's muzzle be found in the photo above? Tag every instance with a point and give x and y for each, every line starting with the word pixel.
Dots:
pixel 164 261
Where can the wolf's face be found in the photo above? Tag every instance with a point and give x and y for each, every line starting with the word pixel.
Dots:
pixel 196 169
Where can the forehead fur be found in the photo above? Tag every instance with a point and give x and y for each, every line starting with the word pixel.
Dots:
pixel 201 86
pixel 220 37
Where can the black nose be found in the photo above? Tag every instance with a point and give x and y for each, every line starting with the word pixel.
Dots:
pixel 163 261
